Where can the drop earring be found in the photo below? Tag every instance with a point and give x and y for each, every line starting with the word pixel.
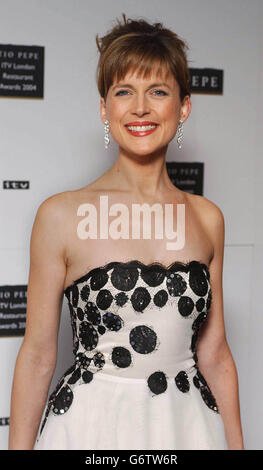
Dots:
pixel 106 134
pixel 180 134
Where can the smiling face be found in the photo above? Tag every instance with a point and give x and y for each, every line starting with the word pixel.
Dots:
pixel 154 101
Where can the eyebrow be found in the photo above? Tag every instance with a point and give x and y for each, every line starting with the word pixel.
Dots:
pixel 128 85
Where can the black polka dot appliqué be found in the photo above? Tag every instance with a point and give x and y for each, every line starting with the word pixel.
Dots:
pixel 98 360
pixel 182 381
pixel 140 299
pixel 121 299
pixel 104 299
pixel 206 394
pixel 198 280
pixel 185 305
pixel 160 298
pixel 176 284
pixel 124 278
pixel 92 313
pixel 200 304
pixel 98 279
pixel 75 376
pixel 80 314
pixel 196 327
pixel 63 400
pixel 143 339
pixel 112 322
pixel 84 293
pixel 87 376
pixel 121 357
pixel 152 276
pixel 157 382
pixel 75 295
pixel 88 335
pixel 82 360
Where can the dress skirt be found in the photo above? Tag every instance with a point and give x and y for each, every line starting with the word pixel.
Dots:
pixel 121 413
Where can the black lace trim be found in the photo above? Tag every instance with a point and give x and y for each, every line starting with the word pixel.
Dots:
pixel 174 266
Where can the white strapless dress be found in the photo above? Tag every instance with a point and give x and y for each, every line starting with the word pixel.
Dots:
pixel 135 382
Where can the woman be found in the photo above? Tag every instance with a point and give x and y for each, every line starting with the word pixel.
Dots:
pixel 140 379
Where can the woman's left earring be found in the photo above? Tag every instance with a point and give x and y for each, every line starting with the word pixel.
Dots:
pixel 180 134
pixel 106 134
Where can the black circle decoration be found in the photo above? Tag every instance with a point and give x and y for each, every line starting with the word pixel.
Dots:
pixel 206 394
pixel 185 306
pixel 82 360
pixel 200 304
pixel 112 321
pixel 98 279
pixel 160 298
pixel 182 381
pixel 152 275
pixel 140 299
pixel 196 327
pixel 75 295
pixel 124 278
pixel 199 321
pixel 157 382
pixel 98 360
pixel 198 280
pixel 92 313
pixel 104 299
pixel 75 376
pixel 63 400
pixel 121 357
pixel 84 293
pixel 143 339
pixel 176 284
pixel 88 335
pixel 80 314
pixel 121 299
pixel 87 376
pixel 76 346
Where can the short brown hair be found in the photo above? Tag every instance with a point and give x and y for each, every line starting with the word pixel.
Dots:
pixel 137 44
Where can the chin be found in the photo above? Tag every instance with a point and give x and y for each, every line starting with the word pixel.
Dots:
pixel 142 150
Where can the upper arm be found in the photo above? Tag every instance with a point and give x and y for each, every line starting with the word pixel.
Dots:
pixel 46 280
pixel 212 345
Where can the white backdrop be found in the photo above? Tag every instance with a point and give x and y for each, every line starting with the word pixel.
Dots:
pixel 57 144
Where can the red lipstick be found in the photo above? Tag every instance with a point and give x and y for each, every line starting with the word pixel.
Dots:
pixel 143 132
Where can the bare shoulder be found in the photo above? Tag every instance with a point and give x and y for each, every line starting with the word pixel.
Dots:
pixel 210 213
pixel 56 202
pixel 50 222
pixel 212 220
pixel 58 207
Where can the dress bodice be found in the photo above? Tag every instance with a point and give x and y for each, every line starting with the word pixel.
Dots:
pixel 131 319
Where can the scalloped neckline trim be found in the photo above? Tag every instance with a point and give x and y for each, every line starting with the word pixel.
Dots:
pixel 135 263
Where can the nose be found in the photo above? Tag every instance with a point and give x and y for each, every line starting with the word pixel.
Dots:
pixel 140 105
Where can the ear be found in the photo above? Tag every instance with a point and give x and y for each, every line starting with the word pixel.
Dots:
pixel 186 108
pixel 103 110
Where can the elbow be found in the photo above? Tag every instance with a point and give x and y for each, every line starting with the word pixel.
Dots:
pixel 216 356
pixel 41 358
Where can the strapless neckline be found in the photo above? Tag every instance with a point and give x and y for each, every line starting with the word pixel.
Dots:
pixel 175 265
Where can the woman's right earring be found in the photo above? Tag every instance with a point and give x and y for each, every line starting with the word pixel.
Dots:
pixel 180 134
pixel 106 133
